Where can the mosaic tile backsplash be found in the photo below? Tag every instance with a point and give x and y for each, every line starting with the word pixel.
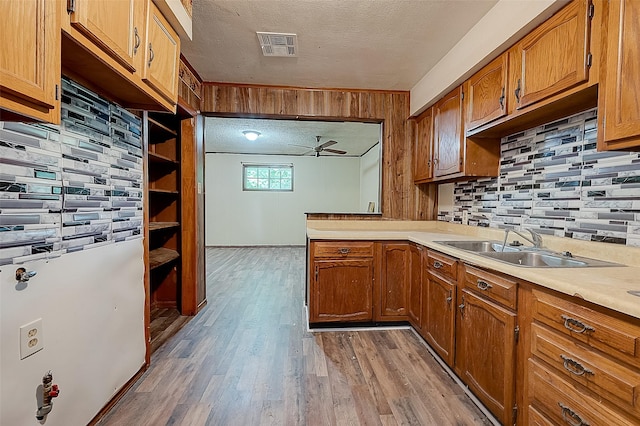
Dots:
pixel 553 180
pixel 70 187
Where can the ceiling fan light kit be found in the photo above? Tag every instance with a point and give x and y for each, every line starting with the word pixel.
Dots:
pixel 322 147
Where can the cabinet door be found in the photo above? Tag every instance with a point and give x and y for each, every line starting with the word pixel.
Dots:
pixel 485 93
pixel 110 25
pixel 622 83
pixel 342 290
pixel 415 285
pixel 422 146
pixel 448 137
pixel 392 303
pixel 439 316
pixel 553 57
pixel 162 55
pixel 485 353
pixel 30 59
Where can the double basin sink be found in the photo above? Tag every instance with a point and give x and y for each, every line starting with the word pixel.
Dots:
pixel 525 256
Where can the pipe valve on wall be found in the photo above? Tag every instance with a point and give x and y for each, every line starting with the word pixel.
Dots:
pixel 49 391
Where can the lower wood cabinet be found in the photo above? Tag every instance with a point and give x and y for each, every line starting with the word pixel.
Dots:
pixel 393 283
pixel 416 283
pixel 485 352
pixel 438 329
pixel 583 362
pixel 341 281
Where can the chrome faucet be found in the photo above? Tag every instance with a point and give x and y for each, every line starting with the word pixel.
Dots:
pixel 536 238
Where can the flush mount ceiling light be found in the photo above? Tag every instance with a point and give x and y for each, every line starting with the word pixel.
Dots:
pixel 251 135
pixel 278 44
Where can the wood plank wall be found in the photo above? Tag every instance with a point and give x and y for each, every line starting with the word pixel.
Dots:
pixel 401 199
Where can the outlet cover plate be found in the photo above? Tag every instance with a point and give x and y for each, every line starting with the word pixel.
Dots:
pixel 31 338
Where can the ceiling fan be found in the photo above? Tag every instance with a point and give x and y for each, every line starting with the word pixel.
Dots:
pixel 322 147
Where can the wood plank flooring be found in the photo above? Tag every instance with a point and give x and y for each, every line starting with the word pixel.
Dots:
pixel 165 322
pixel 247 359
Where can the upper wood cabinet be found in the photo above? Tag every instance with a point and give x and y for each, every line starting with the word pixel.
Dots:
pixel 620 89
pixel 554 57
pixel 422 147
pixel 447 136
pixel 30 59
pixel 162 55
pixel 486 93
pixel 109 24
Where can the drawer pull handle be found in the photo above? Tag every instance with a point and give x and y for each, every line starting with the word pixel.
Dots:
pixel 449 298
pixel 344 250
pixel 483 285
pixel 571 417
pixel 574 367
pixel 461 306
pixel 576 326
pixel 437 264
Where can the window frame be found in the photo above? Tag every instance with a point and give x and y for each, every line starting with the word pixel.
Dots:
pixel 268 166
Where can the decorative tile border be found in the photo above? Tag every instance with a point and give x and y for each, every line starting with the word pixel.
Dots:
pixel 70 187
pixel 552 179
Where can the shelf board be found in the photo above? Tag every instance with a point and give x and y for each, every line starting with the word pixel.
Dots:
pixel 155 226
pixel 161 256
pixel 157 127
pixel 162 191
pixel 157 158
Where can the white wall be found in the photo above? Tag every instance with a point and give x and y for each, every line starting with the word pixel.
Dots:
pixel 504 24
pixel 92 307
pixel 370 179
pixel 446 199
pixel 237 217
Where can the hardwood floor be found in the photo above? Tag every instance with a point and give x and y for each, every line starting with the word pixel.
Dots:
pixel 165 322
pixel 247 359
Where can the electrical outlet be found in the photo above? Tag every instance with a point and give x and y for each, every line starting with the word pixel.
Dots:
pixel 31 338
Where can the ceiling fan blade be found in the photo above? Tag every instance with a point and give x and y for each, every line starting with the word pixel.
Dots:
pixel 335 151
pixel 327 143
pixel 303 146
pixel 313 151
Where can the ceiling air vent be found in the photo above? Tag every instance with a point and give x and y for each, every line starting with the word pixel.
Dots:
pixel 278 44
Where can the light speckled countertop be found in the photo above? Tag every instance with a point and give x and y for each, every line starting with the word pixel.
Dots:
pixel 605 286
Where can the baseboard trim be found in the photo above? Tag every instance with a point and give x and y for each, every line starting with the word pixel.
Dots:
pixel 118 396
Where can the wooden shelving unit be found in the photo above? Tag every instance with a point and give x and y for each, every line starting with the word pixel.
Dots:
pixel 164 202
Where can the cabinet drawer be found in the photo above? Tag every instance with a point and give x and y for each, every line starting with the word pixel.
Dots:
pixel 442 264
pixel 537 419
pixel 342 249
pixel 611 335
pixel 563 404
pixel 493 286
pixel 603 376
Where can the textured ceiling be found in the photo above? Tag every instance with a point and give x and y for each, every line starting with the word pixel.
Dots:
pixel 282 136
pixel 369 44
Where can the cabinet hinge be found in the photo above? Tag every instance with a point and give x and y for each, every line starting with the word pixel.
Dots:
pixel 71 6
pixel 516 333
pixel 589 60
pixel 515 415
pixel 57 92
pixel 591 11
pixel 316 273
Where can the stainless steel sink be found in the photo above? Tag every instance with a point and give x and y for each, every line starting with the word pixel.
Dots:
pixel 479 246
pixel 526 256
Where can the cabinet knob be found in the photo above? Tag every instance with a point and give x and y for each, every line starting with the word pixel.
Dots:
pixel 344 250
pixel 571 417
pixel 137 40
pixel 575 325
pixel 151 55
pixel 483 285
pixel 437 265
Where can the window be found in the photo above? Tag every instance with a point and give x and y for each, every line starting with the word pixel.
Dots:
pixel 266 177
